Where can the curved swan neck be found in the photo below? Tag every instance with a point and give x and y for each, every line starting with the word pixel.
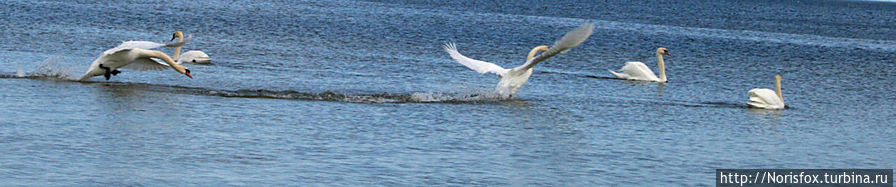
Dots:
pixel 165 58
pixel 778 87
pixel 662 66
pixel 536 50
pixel 180 38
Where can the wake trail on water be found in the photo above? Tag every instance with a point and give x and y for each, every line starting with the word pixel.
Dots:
pixel 52 72
pixel 464 96
pixel 579 74
pixel 624 101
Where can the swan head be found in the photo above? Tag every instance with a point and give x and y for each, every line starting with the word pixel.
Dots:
pixel 183 70
pixel 662 51
pixel 177 34
pixel 187 72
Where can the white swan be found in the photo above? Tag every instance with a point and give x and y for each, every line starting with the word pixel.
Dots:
pixel 765 98
pixel 134 55
pixel 513 79
pixel 193 56
pixel 639 72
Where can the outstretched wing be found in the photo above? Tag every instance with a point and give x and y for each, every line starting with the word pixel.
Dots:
pixel 128 45
pixel 476 65
pixel 571 39
pixel 146 64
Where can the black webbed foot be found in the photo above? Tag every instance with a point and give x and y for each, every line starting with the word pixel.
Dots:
pixel 109 72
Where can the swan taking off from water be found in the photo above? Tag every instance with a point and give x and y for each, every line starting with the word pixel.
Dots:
pixel 765 98
pixel 513 79
pixel 193 56
pixel 639 72
pixel 134 55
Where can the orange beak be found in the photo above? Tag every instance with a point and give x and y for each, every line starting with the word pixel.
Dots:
pixel 188 75
pixel 667 53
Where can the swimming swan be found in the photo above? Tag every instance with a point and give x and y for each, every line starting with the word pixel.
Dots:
pixel 765 98
pixel 639 72
pixel 194 56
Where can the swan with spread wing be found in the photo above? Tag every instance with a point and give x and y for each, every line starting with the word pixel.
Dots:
pixel 134 55
pixel 512 79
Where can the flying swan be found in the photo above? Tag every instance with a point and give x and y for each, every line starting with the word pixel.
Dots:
pixel 765 98
pixel 134 55
pixel 639 72
pixel 512 79
pixel 193 56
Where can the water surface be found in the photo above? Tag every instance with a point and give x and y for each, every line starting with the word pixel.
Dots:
pixel 361 93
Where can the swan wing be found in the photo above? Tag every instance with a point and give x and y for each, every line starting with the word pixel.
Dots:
pixel 638 71
pixel 128 45
pixel 571 39
pixel 476 65
pixel 146 64
pixel 764 98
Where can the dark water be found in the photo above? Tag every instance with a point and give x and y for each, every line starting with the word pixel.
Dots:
pixel 361 93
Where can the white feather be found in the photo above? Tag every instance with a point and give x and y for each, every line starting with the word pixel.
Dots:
pixel 476 65
pixel 764 98
pixel 142 45
pixel 512 79
pixel 571 39
pixel 194 56
pixel 146 64
pixel 635 71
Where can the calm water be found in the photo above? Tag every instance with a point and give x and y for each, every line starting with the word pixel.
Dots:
pixel 361 93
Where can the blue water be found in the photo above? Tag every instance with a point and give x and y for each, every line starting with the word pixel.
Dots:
pixel 361 93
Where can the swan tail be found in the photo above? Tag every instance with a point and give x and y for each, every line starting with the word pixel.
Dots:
pixel 618 75
pixel 85 77
pixel 755 105
pixel 760 105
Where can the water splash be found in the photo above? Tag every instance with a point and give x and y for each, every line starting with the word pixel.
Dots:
pixel 466 96
pixel 50 70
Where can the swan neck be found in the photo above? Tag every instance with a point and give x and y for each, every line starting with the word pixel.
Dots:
pixel 534 51
pixel 165 58
pixel 180 38
pixel 778 88
pixel 662 67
